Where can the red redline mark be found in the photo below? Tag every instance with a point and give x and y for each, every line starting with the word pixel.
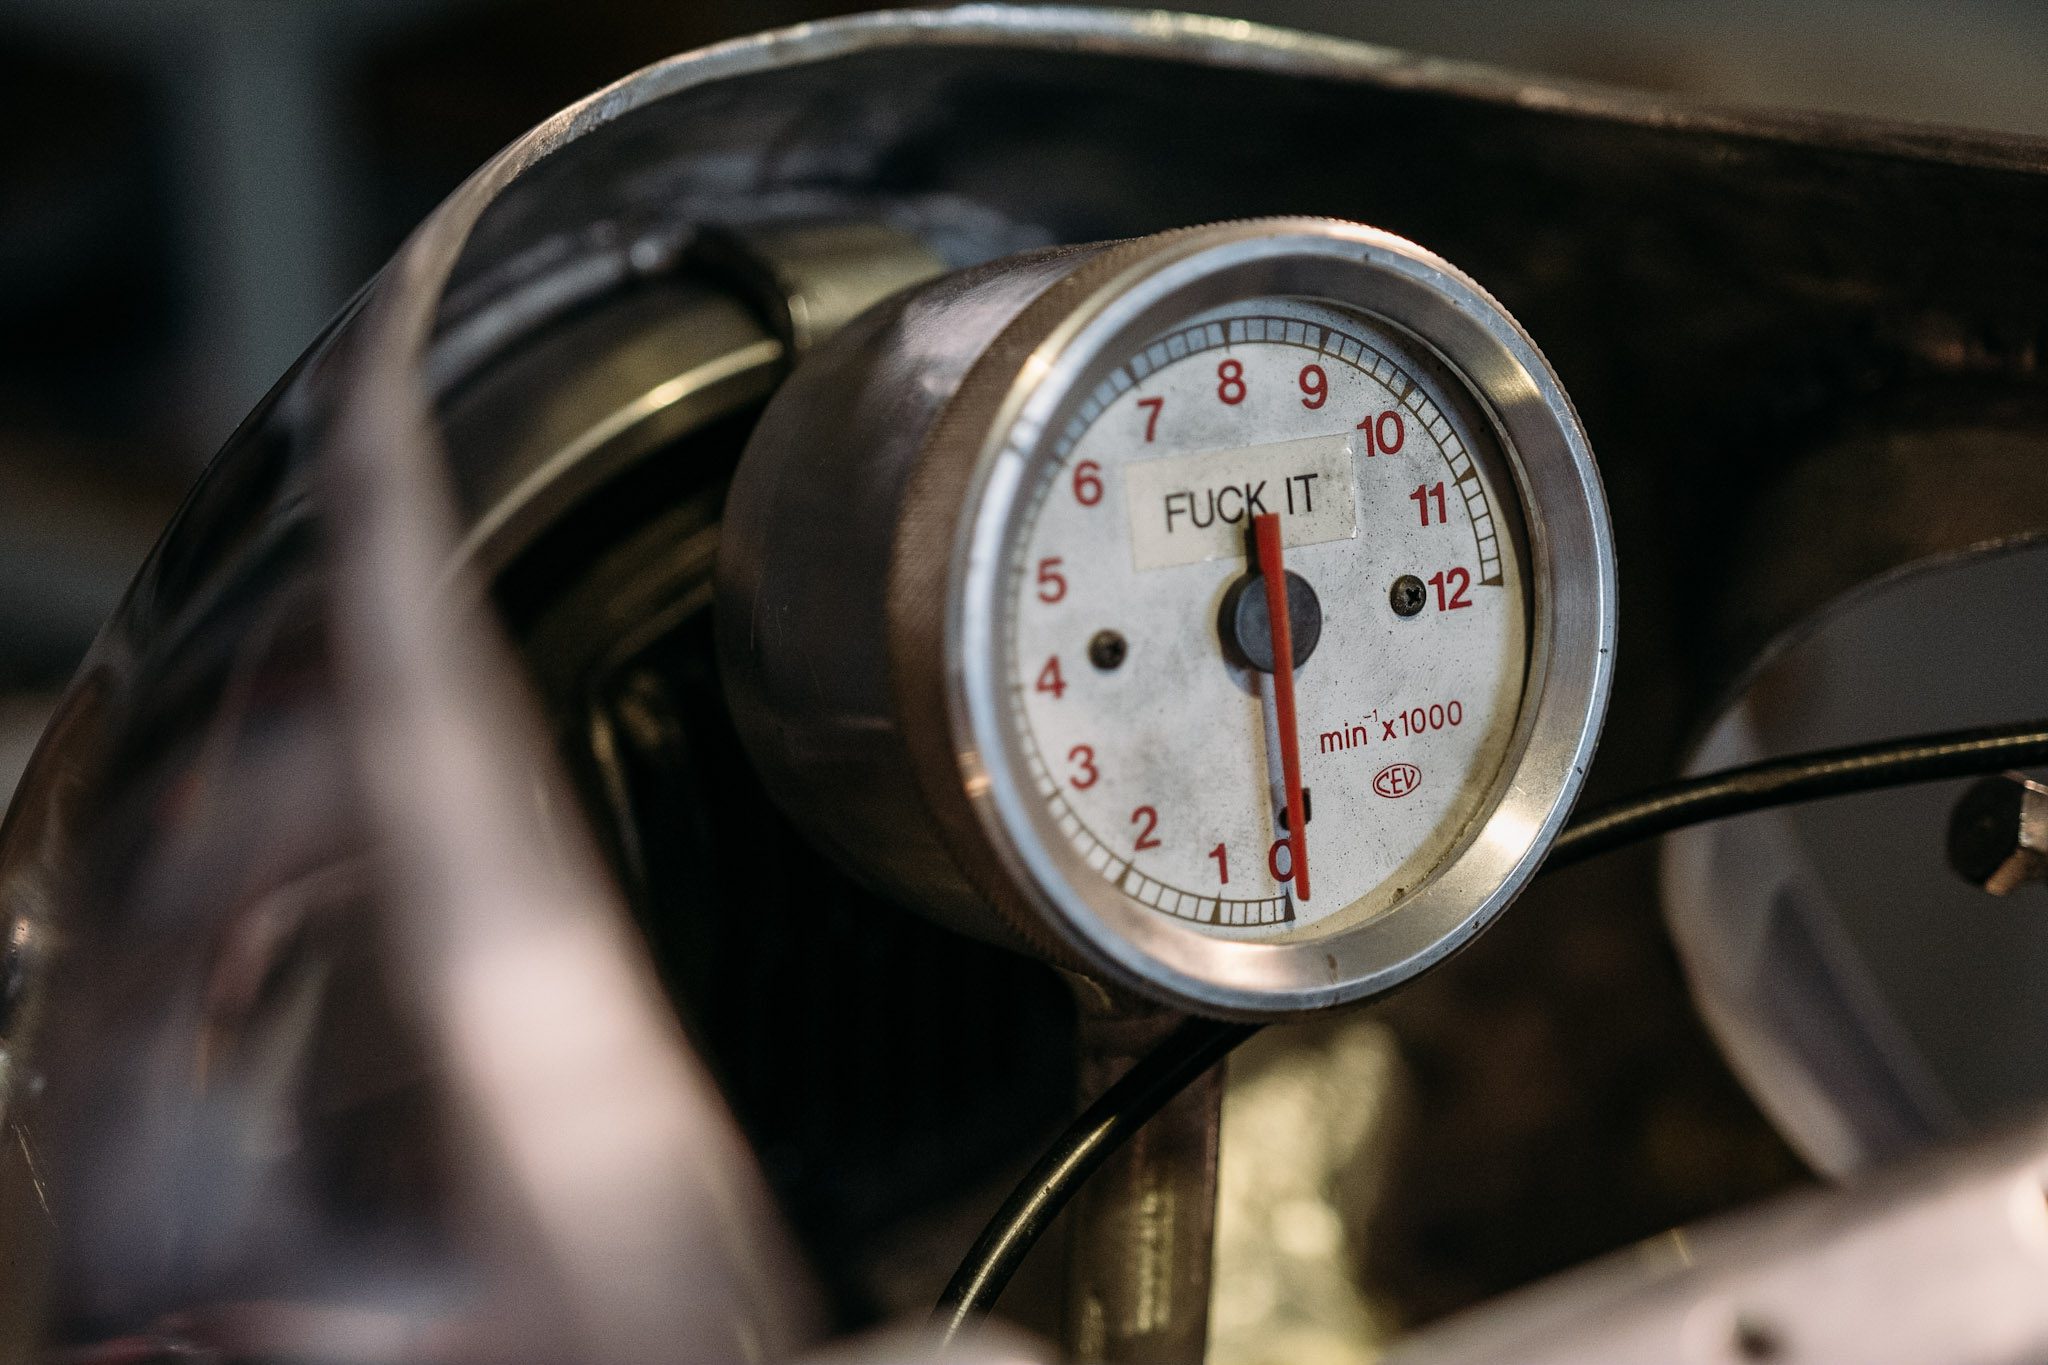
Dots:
pixel 1272 568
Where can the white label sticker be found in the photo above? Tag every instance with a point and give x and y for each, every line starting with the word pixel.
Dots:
pixel 1187 508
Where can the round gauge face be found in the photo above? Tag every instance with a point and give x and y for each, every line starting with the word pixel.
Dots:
pixel 1249 773
pixel 1227 613
pixel 1280 620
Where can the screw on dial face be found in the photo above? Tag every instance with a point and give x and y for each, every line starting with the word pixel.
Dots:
pixel 1408 596
pixel 1169 773
pixel 1108 650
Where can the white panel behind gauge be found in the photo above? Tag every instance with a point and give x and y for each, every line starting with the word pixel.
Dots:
pixel 1871 1000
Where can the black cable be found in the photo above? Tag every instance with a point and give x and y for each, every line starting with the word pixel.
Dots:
pixel 1199 1044
pixel 1138 1094
pixel 1801 777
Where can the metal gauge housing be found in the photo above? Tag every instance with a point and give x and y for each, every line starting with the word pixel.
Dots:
pixel 1228 613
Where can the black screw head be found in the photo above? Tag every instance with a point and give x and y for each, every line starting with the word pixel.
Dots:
pixel 1407 596
pixel 1108 650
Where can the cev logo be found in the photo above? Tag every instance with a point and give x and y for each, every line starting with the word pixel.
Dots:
pixel 1397 779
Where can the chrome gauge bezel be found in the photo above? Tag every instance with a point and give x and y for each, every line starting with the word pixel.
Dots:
pixel 1569 576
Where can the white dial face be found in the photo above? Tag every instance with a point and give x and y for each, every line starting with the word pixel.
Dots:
pixel 1145 711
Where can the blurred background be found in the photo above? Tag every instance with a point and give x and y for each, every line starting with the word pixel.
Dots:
pixel 189 188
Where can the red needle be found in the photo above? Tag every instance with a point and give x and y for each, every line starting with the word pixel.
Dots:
pixel 1266 536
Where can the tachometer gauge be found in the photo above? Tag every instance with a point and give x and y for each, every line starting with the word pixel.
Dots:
pixel 1229 612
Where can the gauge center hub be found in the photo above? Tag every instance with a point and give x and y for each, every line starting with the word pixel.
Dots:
pixel 1246 622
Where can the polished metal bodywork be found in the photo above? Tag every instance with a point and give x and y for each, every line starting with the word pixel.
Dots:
pixel 327 1032
pixel 809 648
pixel 1871 1001
pixel 1943 1260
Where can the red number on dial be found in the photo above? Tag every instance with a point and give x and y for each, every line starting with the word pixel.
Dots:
pixel 1384 433
pixel 1087 483
pixel 1049 679
pixel 1083 759
pixel 1222 857
pixel 1152 407
pixel 1147 820
pixel 1052 584
pixel 1315 386
pixel 1230 382
pixel 1422 495
pixel 1451 586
